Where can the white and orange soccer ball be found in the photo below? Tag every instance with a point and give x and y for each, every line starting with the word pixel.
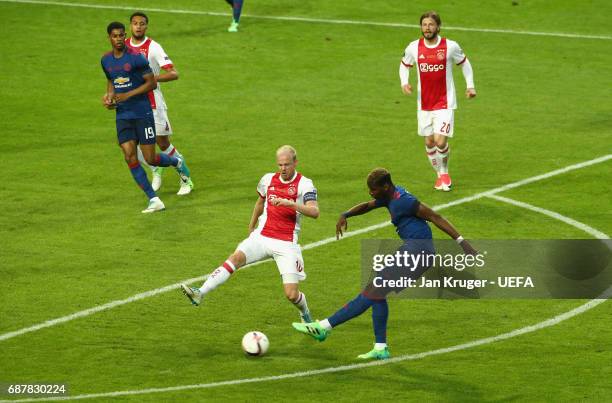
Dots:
pixel 255 343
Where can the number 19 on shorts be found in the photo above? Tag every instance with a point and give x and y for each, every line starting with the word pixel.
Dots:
pixel 149 133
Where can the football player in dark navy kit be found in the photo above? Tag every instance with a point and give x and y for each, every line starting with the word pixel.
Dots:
pixel 409 216
pixel 129 79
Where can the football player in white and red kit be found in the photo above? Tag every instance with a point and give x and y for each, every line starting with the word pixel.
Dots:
pixel 283 197
pixel 164 70
pixel 434 57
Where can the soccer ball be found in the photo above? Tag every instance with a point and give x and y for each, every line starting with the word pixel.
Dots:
pixel 255 343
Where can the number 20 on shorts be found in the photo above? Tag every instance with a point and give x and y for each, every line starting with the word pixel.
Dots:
pixel 445 128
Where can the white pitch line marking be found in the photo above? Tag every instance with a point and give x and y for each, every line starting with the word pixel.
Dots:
pixel 552 214
pixel 150 293
pixel 312 20
pixel 408 357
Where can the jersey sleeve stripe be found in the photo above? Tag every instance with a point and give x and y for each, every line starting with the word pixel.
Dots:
pixel 167 66
pixel 409 65
pixel 463 61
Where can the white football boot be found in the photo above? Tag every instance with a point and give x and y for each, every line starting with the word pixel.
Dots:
pixel 157 178
pixel 186 187
pixel 155 204
pixel 194 294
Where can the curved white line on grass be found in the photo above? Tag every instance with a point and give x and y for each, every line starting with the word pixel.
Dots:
pixel 146 294
pixel 309 19
pixel 552 214
pixel 408 357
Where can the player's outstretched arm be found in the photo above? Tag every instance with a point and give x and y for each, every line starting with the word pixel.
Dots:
pixel 149 85
pixel 359 209
pixel 257 211
pixel 428 214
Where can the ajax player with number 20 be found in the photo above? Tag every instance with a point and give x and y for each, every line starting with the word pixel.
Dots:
pixel 129 79
pixel 283 197
pixel 434 57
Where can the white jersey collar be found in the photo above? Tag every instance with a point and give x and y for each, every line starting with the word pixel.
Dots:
pixel 280 177
pixel 144 40
pixel 432 46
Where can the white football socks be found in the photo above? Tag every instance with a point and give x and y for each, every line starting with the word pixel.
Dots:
pixel 443 154
pixel 380 346
pixel 301 303
pixel 432 154
pixel 325 324
pixel 172 151
pixel 217 277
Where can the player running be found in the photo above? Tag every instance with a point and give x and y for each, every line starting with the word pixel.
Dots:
pixel 284 197
pixel 436 100
pixel 129 79
pixel 410 217
pixel 164 71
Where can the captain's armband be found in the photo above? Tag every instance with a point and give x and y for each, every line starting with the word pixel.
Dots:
pixel 310 196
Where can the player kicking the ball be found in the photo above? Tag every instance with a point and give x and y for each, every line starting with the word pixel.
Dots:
pixel 275 224
pixel 410 217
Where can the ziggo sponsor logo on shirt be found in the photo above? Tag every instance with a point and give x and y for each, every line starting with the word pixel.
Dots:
pixel 426 67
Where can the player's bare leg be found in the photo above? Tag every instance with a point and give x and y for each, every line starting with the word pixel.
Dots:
pixel 129 151
pixel 296 297
pixel 219 276
pixel 443 152
pixel 141 159
pixel 148 153
pixel 162 142
pixel 131 158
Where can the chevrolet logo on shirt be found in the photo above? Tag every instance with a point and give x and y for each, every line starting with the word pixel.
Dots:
pixel 121 80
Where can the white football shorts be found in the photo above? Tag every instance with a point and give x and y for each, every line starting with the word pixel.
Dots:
pixel 287 255
pixel 441 121
pixel 162 124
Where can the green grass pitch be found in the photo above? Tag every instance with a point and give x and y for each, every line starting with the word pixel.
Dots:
pixel 72 236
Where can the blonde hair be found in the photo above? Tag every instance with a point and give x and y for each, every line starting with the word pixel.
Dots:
pixel 287 149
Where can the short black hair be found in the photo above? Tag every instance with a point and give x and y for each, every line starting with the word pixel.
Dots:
pixel 114 25
pixel 139 14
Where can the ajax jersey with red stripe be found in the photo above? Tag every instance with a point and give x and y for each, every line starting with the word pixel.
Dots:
pixel 158 59
pixel 281 222
pixel 435 69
